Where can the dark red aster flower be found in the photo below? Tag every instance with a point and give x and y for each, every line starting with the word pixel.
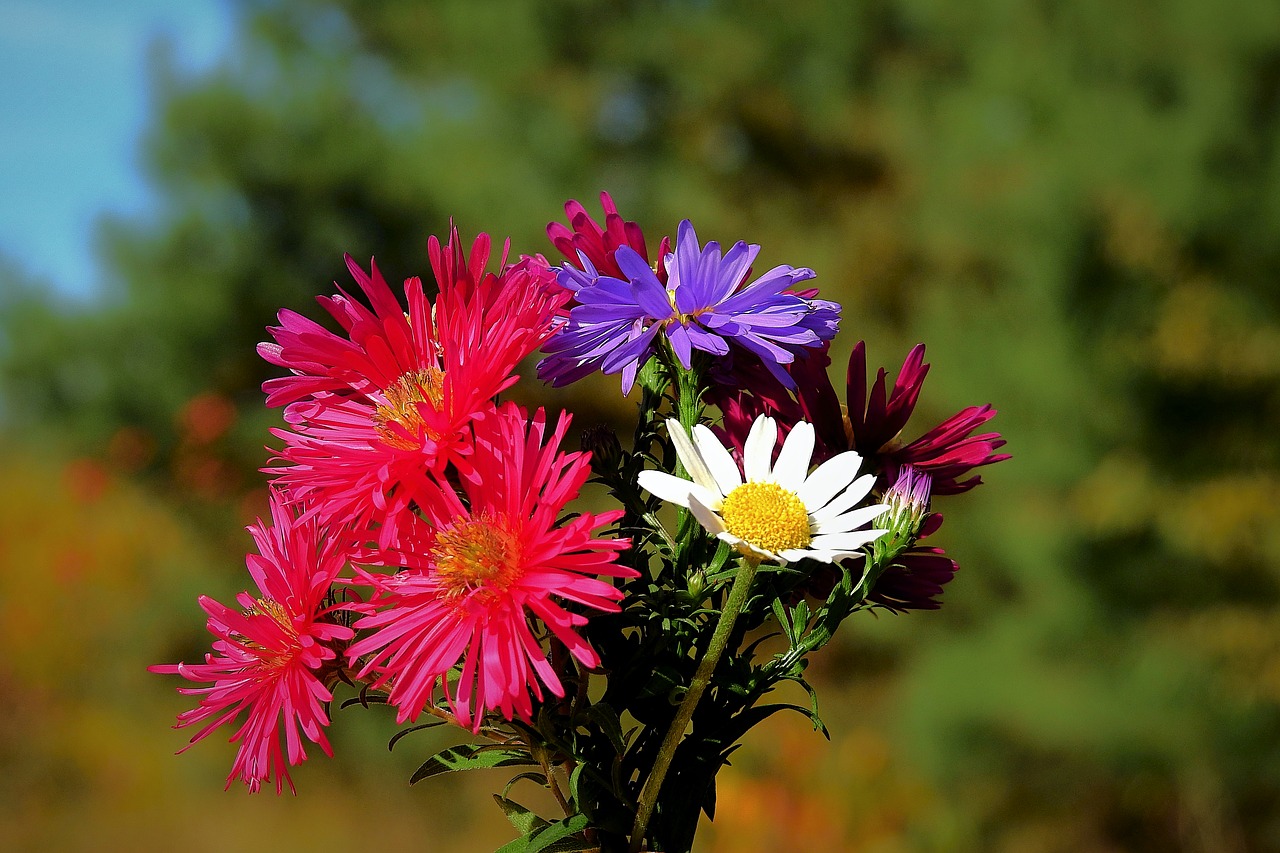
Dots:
pixel 871 423
pixel 916 577
pixel 913 581
pixel 946 453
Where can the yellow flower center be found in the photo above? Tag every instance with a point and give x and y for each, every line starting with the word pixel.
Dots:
pixel 403 399
pixel 477 555
pixel 275 658
pixel 768 516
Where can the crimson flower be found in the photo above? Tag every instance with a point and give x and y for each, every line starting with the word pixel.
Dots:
pixel 584 238
pixel 871 423
pixel 270 654
pixel 373 412
pixel 483 578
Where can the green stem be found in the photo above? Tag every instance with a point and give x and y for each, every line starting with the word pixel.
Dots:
pixel 701 680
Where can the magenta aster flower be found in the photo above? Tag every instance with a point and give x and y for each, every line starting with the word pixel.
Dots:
pixel 706 304
pixel 872 422
pixel 373 412
pixel 485 577
pixel 269 658
pixel 587 244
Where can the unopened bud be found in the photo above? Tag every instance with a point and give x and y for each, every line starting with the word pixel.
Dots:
pixel 908 502
pixel 696 586
pixel 605 449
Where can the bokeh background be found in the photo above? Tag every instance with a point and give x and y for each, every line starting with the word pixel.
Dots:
pixel 1074 203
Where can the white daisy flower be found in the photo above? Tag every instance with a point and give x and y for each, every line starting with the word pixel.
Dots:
pixel 778 512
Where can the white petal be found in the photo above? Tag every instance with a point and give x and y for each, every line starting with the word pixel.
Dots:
pixel 793 460
pixel 757 453
pixel 743 545
pixel 675 490
pixel 847 499
pixel 707 518
pixel 827 481
pixel 850 520
pixel 722 466
pixel 846 541
pixel 822 556
pixel 691 458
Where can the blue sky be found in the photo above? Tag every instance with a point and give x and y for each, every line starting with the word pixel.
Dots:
pixel 74 100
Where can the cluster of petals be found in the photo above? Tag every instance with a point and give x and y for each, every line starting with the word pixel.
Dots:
pixel 269 655
pixel 587 243
pixel 817 514
pixel 872 420
pixel 374 411
pixel 705 303
pixel 476 572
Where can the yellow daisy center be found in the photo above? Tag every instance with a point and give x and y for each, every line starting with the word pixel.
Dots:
pixel 767 516
pixel 403 398
pixel 477 554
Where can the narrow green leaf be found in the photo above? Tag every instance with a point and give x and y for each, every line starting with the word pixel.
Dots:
pixel 780 613
pixel 607 719
pixel 469 757
pixel 525 821
pixel 556 838
pixel 395 738
pixel 527 776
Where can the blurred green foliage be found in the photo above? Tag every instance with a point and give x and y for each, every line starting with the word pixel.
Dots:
pixel 1075 204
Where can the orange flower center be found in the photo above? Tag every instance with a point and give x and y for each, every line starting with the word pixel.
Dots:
pixel 478 555
pixel 402 406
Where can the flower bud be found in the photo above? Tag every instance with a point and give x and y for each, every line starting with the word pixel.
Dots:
pixel 908 502
pixel 605 449
pixel 696 586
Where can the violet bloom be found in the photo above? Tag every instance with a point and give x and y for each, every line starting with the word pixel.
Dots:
pixel 704 305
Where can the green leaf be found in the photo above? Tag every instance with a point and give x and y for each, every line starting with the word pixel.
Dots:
pixel 607 719
pixel 661 682
pixel 525 821
pixel 469 757
pixel 530 776
pixel 395 738
pixel 800 617
pixel 818 725
pixel 557 837
pixel 780 613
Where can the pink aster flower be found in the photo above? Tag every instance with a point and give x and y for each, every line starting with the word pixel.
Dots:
pixel 374 411
pixel 270 655
pixel 487 579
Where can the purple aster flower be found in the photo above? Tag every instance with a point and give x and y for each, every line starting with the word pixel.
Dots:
pixel 706 304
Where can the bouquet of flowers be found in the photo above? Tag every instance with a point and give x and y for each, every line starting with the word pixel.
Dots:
pixel 424 552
